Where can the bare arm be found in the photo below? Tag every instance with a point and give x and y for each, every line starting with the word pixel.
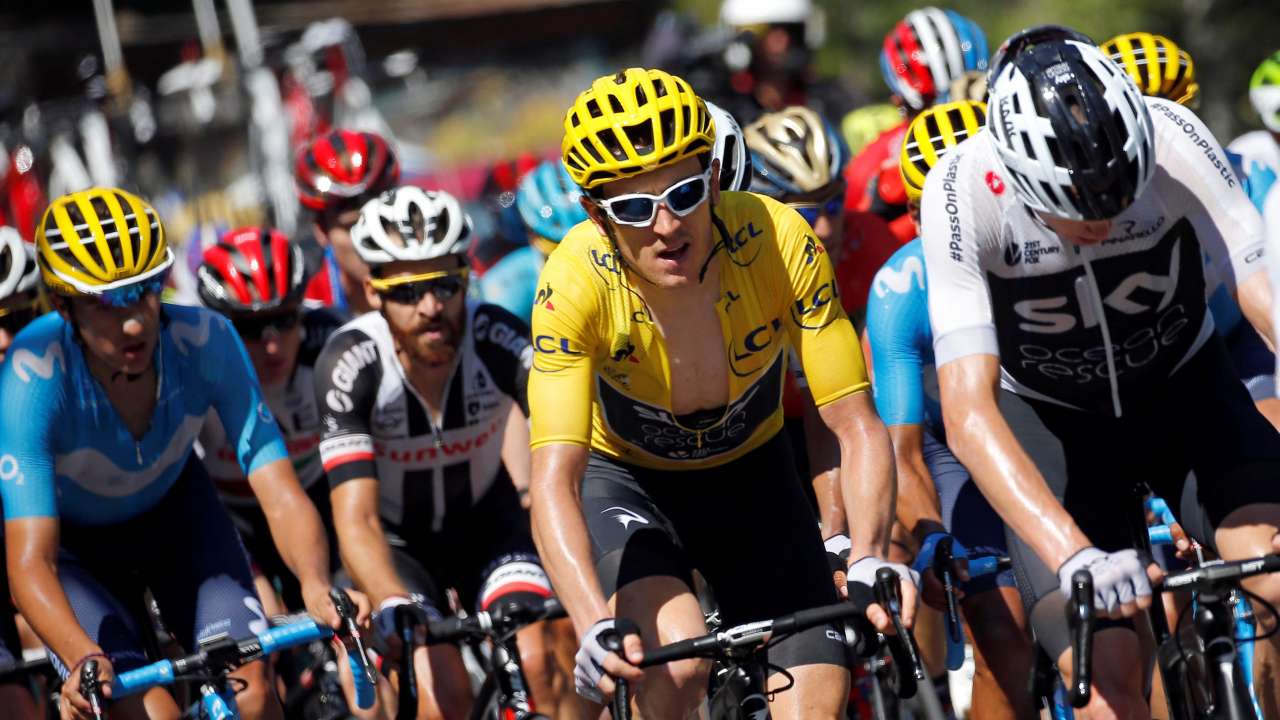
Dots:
pixel 984 443
pixel 1255 298
pixel 364 548
pixel 32 550
pixel 299 535
pixel 515 452
pixel 824 467
pixel 919 509
pixel 866 472
pixel 560 532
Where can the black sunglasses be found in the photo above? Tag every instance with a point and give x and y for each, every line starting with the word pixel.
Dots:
pixel 254 327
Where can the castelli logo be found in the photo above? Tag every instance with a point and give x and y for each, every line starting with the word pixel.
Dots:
pixel 995 183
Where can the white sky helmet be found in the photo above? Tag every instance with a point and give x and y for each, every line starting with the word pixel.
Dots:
pixel 730 150
pixel 18 270
pixel 1071 130
pixel 428 224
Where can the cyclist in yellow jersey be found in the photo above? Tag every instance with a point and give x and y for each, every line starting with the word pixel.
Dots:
pixel 661 332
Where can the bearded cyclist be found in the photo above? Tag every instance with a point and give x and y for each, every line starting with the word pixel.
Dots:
pixel 415 398
pixel 256 278
pixel 1063 248
pixel 20 303
pixel 336 174
pixel 936 497
pixel 102 497
pixel 657 371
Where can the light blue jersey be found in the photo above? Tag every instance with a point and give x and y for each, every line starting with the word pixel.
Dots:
pixel 512 282
pixel 906 387
pixel 64 451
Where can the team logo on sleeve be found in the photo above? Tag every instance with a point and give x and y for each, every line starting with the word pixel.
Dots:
pixel 25 362
pixel 187 335
pixel 898 281
pixel 543 297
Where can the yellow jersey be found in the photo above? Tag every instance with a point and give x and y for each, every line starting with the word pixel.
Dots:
pixel 601 374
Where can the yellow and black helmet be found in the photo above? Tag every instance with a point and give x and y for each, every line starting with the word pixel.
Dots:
pixel 632 122
pixel 96 240
pixel 1157 65
pixel 931 134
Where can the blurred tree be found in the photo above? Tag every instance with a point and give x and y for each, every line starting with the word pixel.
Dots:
pixel 1226 38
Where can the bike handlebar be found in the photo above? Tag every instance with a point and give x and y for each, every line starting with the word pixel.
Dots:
pixel 503 618
pixel 1207 578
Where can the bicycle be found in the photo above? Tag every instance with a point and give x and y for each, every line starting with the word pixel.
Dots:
pixel 220 655
pixel 1203 674
pixel 739 652
pixel 504 692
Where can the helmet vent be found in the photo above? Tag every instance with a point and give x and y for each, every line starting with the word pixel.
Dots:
pixel 641 98
pixel 593 107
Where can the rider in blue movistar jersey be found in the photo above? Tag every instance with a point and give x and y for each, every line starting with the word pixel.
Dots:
pixel 936 496
pixel 102 496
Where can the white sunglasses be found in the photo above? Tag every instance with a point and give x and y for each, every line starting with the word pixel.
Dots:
pixel 639 209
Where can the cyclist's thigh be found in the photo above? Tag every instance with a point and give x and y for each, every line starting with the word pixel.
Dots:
pixel 1234 450
pixel 100 608
pixel 1081 457
pixel 631 538
pixel 750 530
pixel 207 589
pixel 966 513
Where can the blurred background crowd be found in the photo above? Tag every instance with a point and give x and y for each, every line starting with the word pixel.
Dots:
pixel 203 105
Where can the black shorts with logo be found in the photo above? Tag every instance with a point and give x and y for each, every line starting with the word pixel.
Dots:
pixel 746 526
pixel 1200 443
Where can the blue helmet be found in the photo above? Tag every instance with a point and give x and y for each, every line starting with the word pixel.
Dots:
pixel 547 199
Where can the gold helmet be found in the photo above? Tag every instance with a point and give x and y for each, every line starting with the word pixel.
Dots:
pixel 632 122
pixel 1157 65
pixel 97 240
pixel 931 134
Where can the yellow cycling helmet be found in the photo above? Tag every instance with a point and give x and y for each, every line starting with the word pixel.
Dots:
pixel 1157 65
pixel 860 127
pixel 97 240
pixel 633 122
pixel 931 134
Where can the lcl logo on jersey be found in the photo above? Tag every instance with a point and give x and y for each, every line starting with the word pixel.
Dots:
pixel 1042 314
pixel 824 295
pixel 548 345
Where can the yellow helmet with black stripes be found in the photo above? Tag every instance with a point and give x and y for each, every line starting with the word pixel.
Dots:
pixel 97 240
pixel 931 134
pixel 631 122
pixel 1157 65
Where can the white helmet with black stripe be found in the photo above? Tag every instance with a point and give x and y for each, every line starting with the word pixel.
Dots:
pixel 408 224
pixel 730 149
pixel 18 270
pixel 1069 125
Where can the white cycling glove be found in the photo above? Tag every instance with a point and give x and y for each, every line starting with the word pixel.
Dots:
pixel 864 571
pixel 1118 577
pixel 589 662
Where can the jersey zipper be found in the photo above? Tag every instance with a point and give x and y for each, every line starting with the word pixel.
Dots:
pixel 1101 311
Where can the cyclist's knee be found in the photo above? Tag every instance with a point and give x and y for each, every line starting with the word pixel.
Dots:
pixel 534 656
pixel 1001 642
pixel 257 700
pixel 675 689
pixel 1117 690
pixel 444 689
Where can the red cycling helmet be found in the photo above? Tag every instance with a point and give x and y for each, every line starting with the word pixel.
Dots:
pixel 252 270
pixel 342 166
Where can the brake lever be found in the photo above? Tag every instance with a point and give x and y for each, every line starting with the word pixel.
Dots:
pixel 351 635
pixel 903 644
pixel 943 559
pixel 1080 618
pixel 91 688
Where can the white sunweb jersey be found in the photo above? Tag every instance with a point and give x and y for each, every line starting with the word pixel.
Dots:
pixel 376 425
pixel 1089 327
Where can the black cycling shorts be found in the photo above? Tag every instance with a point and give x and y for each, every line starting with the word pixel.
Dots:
pixel 1200 444
pixel 484 553
pixel 746 526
